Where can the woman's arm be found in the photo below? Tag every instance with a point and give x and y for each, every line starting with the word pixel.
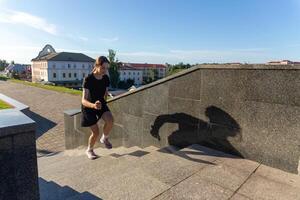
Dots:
pixel 106 94
pixel 84 101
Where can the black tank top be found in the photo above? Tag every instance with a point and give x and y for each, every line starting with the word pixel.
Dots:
pixel 96 87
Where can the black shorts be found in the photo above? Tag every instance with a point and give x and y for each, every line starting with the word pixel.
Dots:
pixel 90 116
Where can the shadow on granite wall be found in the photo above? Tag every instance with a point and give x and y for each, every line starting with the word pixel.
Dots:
pixel 43 124
pixel 213 133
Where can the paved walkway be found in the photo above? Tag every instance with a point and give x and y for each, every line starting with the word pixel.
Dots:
pixel 46 109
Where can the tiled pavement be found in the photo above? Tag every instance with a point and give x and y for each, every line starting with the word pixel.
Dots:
pixel 46 109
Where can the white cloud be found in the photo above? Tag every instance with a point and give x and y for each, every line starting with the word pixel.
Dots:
pixel 74 37
pixel 83 38
pixel 17 17
pixel 24 54
pixel 108 40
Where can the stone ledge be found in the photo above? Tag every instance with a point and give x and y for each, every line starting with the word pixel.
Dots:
pixel 72 112
pixel 16 104
pixel 13 121
pixel 203 66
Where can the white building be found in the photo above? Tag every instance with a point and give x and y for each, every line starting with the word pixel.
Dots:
pixel 127 72
pixel 64 68
pixel 141 71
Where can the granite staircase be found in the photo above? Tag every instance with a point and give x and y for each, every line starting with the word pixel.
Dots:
pixel 195 172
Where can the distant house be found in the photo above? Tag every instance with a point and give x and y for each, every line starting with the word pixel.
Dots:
pixel 17 68
pixel 127 72
pixel 282 62
pixel 161 69
pixel 127 69
pixel 63 68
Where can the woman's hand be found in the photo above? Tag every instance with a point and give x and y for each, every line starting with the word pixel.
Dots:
pixel 97 105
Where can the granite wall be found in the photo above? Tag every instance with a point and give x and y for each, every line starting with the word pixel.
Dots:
pixel 251 110
pixel 18 161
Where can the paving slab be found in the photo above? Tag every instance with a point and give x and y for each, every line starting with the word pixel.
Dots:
pixel 194 188
pixel 224 175
pixel 238 196
pixel 93 173
pixel 168 168
pixel 128 185
pixel 279 175
pixel 259 187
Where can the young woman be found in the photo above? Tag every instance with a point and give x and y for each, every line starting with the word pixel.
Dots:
pixel 94 105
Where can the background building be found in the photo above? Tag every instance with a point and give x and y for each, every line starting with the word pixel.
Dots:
pixel 283 62
pixel 17 68
pixel 127 72
pixel 141 72
pixel 64 68
pixel 145 67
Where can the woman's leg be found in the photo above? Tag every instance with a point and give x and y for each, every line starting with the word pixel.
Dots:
pixel 109 121
pixel 94 136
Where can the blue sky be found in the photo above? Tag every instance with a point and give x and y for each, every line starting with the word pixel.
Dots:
pixel 153 31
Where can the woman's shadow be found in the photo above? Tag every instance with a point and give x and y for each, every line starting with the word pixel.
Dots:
pixel 213 133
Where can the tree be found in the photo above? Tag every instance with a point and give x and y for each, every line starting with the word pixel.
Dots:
pixel 152 74
pixel 113 68
pixel 172 69
pixel 3 64
pixel 130 82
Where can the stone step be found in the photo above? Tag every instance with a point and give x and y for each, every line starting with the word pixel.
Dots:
pixel 200 153
pixel 73 159
pixel 50 159
pixel 121 179
pixel 46 163
pixel 151 148
pixel 168 167
pixel 52 191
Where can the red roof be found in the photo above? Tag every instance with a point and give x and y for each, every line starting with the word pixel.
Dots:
pixel 144 65
pixel 128 68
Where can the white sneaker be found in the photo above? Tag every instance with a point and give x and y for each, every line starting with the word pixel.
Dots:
pixel 91 154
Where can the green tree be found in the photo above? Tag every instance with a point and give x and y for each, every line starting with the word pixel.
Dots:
pixel 130 82
pixel 151 74
pixel 3 64
pixel 113 68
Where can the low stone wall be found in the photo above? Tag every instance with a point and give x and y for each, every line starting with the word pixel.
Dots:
pixel 251 110
pixel 18 160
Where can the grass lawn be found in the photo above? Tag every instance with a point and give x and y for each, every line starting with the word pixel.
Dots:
pixel 3 78
pixel 49 87
pixel 4 105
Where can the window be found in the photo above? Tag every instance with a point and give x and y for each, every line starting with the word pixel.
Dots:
pixel 74 66
pixel 75 75
pixel 138 73
pixel 70 75
pixel 69 66
pixel 138 79
pixel 54 75
pixel 64 75
pixel 124 73
pixel 83 75
pixel 161 70
pixel 129 73
pixel 133 73
pixel 83 66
